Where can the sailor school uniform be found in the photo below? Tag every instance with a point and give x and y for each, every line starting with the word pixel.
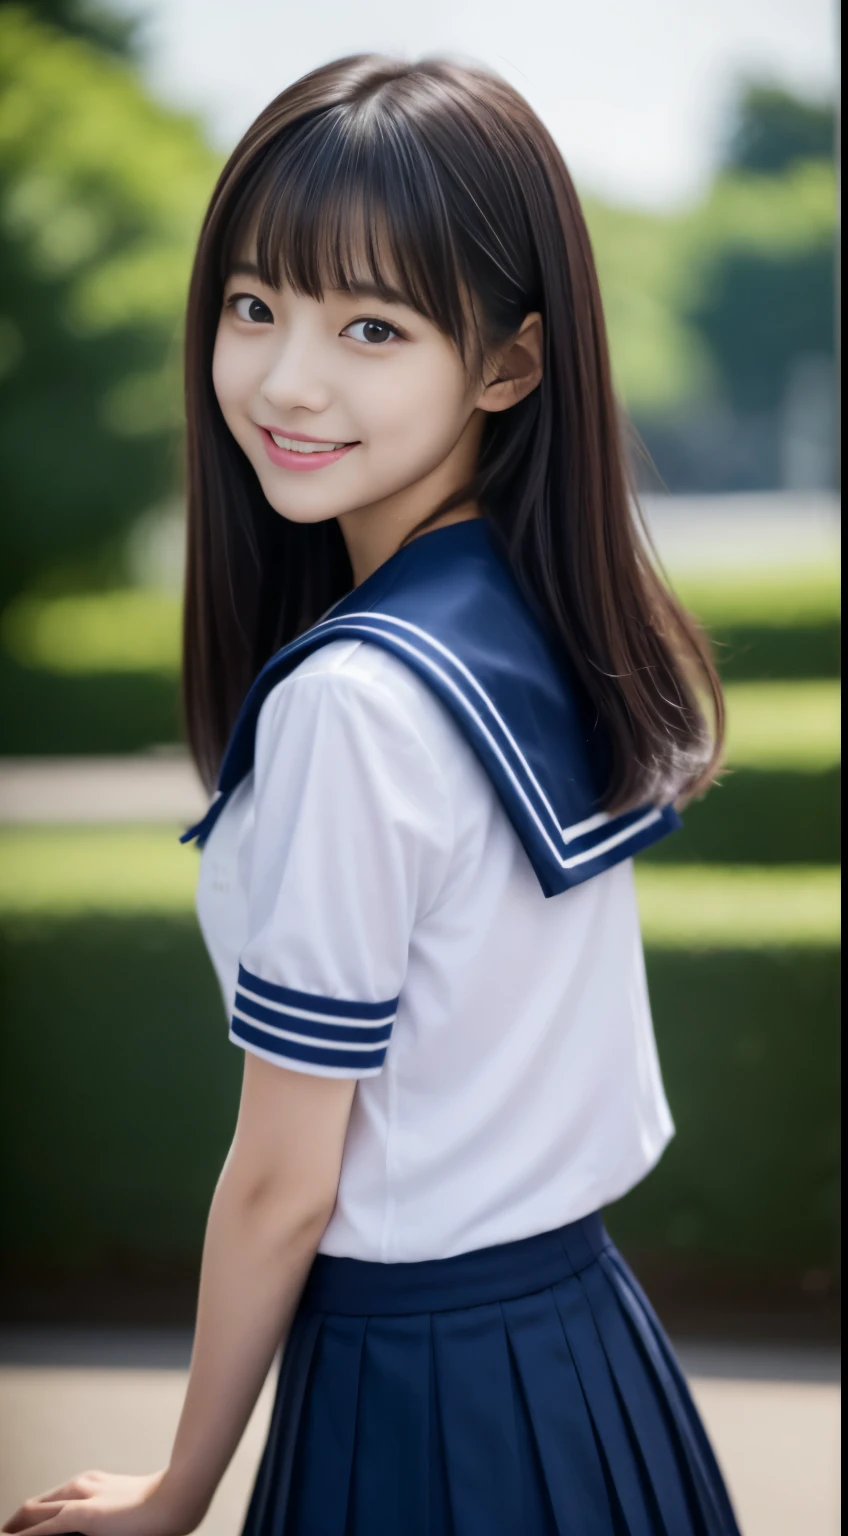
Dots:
pixel 407 877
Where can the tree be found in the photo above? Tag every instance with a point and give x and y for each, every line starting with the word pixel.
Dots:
pixel 768 297
pixel 101 195
pixel 763 311
pixel 89 20
pixel 773 130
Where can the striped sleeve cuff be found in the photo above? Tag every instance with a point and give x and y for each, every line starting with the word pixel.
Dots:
pixel 323 1035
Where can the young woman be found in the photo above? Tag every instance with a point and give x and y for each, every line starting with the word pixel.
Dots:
pixel 446 699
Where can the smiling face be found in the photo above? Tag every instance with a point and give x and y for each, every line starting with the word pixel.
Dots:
pixel 345 404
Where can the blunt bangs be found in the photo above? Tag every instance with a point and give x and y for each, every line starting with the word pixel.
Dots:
pixel 349 198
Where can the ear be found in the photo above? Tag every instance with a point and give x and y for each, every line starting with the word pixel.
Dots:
pixel 516 369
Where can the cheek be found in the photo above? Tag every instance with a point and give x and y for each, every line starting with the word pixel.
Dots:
pixel 232 378
pixel 424 401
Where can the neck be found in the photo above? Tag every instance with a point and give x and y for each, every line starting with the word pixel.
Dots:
pixel 373 533
pixel 370 553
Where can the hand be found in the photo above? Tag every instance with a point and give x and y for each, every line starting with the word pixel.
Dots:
pixel 102 1504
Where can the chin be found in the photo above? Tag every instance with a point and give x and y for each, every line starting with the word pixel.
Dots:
pixel 293 508
pixel 302 514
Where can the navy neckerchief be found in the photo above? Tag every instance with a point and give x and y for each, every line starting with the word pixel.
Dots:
pixel 449 607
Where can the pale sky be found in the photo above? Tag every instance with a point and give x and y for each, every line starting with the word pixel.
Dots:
pixel 636 94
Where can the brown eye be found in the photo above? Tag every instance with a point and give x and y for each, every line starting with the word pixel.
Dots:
pixel 373 331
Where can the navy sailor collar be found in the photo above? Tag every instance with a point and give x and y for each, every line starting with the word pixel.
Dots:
pixel 448 606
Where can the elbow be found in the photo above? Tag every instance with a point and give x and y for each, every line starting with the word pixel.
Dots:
pixel 291 1215
pixel 310 1219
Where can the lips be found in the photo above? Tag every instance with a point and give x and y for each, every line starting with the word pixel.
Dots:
pixel 310 452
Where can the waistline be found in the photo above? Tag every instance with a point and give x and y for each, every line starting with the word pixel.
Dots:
pixel 362 1287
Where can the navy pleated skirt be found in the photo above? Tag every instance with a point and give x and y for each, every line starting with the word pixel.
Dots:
pixel 522 1390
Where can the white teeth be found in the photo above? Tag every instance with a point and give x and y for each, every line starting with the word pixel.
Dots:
pixel 294 446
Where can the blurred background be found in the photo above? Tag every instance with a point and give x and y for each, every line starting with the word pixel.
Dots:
pixel 702 138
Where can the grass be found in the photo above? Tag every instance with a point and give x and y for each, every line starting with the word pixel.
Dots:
pixel 132 630
pixel 55 871
pixel 704 906
pixel 782 596
pixel 70 870
pixel 784 725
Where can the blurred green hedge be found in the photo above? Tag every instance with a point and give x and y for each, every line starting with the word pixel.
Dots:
pixel 119 1094
pixel 749 1044
pixel 754 651
pixel 44 714
pixel 778 622
pixel 119 1086
pixel 760 816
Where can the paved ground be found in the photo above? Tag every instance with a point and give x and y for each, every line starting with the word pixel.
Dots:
pixel 68 1401
pixel 152 787
pixel 694 533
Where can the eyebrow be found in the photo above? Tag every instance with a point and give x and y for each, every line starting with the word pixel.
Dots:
pixel 356 290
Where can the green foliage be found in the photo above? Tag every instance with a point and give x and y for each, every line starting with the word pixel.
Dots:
pixel 765 816
pixel 761 302
pixel 659 359
pixel 762 311
pixel 101 193
pixel 42 713
pixel 674 285
pixel 756 651
pixel 89 20
pixel 777 623
pixel 785 214
pixel 773 130
pixel 749 1044
pixel 118 1024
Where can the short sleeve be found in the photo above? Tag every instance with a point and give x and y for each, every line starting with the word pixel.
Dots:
pixel 351 841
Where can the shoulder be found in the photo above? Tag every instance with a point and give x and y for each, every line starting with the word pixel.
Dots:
pixel 352 728
pixel 342 763
pixel 365 688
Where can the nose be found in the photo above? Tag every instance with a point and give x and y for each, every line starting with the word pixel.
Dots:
pixel 296 377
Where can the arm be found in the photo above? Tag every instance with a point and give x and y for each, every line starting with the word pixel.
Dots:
pixel 273 1200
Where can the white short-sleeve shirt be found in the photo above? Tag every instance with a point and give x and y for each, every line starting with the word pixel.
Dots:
pixel 371 913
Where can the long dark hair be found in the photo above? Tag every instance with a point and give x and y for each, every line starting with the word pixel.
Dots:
pixel 447 180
